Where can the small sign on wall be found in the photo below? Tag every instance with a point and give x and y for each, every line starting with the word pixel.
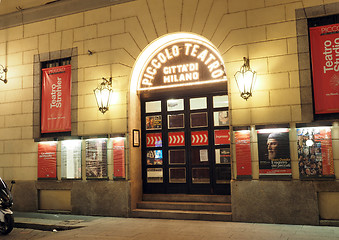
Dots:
pixel 136 138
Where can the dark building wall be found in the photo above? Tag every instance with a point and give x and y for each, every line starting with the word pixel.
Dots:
pixel 289 202
pixel 104 198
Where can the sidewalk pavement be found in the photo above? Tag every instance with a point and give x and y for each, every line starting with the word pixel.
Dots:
pixel 50 222
pixel 86 227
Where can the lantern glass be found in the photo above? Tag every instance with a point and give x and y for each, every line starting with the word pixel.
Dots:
pixel 245 79
pixel 103 97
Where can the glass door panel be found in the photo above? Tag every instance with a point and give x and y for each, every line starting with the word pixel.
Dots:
pixel 199 156
pixel 201 175
pixel 154 175
pixel 177 156
pixel 177 175
pixel 199 120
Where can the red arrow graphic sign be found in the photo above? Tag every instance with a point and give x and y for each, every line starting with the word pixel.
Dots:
pixel 153 140
pixel 176 139
pixel 199 138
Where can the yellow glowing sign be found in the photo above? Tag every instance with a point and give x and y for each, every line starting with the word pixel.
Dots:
pixel 181 62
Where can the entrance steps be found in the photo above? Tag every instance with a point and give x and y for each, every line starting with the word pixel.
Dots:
pixel 185 207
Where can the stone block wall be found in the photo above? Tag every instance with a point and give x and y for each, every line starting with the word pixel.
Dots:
pixel 265 31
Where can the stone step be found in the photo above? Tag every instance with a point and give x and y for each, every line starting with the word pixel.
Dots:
pixel 187 198
pixel 182 215
pixel 186 206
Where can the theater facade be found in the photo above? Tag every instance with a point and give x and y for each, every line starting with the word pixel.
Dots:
pixel 178 121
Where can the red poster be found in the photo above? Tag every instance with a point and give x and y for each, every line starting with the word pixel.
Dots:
pixel 222 137
pixel 176 139
pixel 119 157
pixel 243 153
pixel 153 140
pixel 47 160
pixel 324 139
pixel 324 42
pixel 56 99
pixel 199 138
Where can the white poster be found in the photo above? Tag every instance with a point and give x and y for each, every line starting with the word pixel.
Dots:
pixel 71 159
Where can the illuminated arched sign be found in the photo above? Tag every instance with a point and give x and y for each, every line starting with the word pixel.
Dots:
pixel 188 60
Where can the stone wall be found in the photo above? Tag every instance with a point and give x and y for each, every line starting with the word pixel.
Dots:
pixel 289 202
pixel 265 31
pixel 102 198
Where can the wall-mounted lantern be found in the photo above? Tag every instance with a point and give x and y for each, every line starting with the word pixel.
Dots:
pixel 245 79
pixel 103 94
pixel 3 74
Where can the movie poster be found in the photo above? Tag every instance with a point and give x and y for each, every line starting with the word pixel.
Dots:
pixel 274 152
pixel 222 156
pixel 315 152
pixel 96 158
pixel 71 159
pixel 154 157
pixel 153 122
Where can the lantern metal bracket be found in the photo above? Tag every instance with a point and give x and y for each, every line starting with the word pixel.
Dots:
pixel 3 73
pixel 246 63
pixel 108 82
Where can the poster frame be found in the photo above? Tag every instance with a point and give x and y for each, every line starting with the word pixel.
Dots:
pixel 266 170
pixel 61 160
pixel 54 145
pixel 316 141
pixel 104 159
pixel 244 161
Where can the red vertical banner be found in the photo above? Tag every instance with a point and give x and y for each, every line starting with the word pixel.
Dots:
pixel 243 153
pixel 56 99
pixel 324 41
pixel 119 157
pixel 47 160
